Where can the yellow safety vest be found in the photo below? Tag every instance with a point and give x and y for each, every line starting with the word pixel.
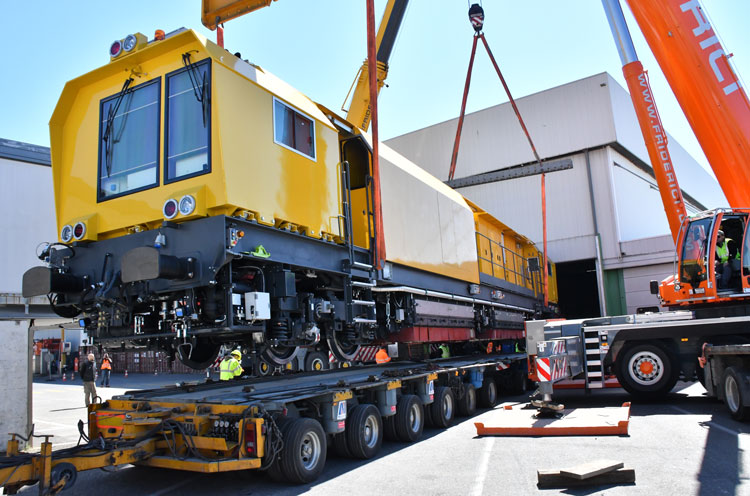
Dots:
pixel 722 252
pixel 229 369
pixel 446 353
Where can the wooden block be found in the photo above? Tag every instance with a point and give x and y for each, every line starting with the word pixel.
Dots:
pixel 548 479
pixel 591 469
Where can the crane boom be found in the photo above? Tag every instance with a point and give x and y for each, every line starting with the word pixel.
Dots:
pixel 653 131
pixel 359 108
pixel 708 90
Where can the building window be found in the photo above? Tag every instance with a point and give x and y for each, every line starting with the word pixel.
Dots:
pixel 188 122
pixel 129 141
pixel 293 130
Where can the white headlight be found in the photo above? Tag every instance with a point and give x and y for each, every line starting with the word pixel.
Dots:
pixel 187 205
pixel 66 233
pixel 129 42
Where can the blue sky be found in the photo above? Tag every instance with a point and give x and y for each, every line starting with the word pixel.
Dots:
pixel 317 46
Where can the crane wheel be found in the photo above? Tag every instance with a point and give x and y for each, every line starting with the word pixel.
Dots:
pixel 647 371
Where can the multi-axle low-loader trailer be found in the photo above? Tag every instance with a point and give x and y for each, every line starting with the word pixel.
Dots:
pixel 646 353
pixel 281 424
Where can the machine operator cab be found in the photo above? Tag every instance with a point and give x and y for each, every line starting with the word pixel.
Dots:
pixel 713 260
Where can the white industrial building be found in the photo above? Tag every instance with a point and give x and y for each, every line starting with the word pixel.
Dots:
pixel 28 219
pixel 609 193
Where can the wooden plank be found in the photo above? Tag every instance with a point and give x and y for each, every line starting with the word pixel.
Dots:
pixel 591 469
pixel 548 479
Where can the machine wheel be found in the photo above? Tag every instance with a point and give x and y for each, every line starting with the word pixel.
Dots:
pixel 264 368
pixel 65 473
pixel 364 431
pixel 343 350
pixel 646 371
pixel 339 446
pixel 304 454
pixel 487 396
pixel 316 361
pixel 200 356
pixel 733 396
pixel 280 355
pixel 409 418
pixel 467 404
pixel 443 409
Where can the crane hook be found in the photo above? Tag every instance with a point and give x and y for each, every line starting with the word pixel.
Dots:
pixel 476 16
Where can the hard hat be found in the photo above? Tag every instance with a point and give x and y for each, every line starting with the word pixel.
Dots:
pixel 236 353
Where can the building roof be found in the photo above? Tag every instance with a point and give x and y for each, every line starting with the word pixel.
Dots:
pixel 24 152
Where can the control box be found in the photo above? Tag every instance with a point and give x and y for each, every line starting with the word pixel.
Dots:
pixel 257 306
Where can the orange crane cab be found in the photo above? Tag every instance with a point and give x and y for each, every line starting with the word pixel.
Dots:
pixel 698 274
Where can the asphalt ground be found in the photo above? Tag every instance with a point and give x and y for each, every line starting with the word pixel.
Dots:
pixel 684 445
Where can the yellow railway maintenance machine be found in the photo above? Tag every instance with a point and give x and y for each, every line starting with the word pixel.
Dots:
pixel 202 201
pixel 280 424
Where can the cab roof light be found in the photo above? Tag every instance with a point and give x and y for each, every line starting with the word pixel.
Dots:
pixel 79 230
pixel 170 208
pixel 66 233
pixel 115 48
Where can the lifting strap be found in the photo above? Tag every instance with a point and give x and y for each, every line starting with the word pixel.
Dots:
pixel 476 17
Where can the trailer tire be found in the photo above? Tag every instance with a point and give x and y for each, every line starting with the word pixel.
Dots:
pixel 304 454
pixel 409 418
pixel 389 428
pixel 62 471
pixel 316 361
pixel 647 371
pixel 339 446
pixel 487 396
pixel 443 409
pixel 364 431
pixel 734 394
pixel 467 404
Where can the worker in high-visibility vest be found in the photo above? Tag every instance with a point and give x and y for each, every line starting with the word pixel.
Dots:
pixel 230 367
pixel 445 352
pixel 382 356
pixel 726 251
pixel 106 368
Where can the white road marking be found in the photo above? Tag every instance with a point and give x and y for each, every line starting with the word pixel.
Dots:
pixel 484 465
pixel 64 426
pixel 743 439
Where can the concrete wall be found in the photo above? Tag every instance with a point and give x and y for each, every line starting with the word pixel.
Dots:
pixel 15 356
pixel 637 280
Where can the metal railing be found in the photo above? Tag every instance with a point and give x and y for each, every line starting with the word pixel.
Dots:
pixel 508 265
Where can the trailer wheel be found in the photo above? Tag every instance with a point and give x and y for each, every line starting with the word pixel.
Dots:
pixel 389 428
pixel 443 409
pixel 488 393
pixel 467 404
pixel 733 394
pixel 409 418
pixel 63 472
pixel 339 446
pixel 646 371
pixel 304 454
pixel 364 431
pixel 316 361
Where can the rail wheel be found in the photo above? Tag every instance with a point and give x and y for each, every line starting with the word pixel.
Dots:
pixel 733 394
pixel 304 454
pixel 280 354
pixel 264 368
pixel 443 409
pixel 409 418
pixel 487 396
pixel 199 356
pixel 646 371
pixel 467 404
pixel 316 361
pixel 342 347
pixel 364 431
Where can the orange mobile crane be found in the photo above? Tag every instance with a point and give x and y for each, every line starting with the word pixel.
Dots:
pixel 705 336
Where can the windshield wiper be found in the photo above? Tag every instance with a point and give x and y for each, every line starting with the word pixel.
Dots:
pixel 108 138
pixel 199 84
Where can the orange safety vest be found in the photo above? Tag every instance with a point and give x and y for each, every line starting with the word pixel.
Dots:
pixel 106 364
pixel 382 356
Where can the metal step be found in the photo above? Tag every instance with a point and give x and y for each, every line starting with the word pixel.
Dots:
pixel 593 363
pixel 364 303
pixel 594 374
pixel 596 385
pixel 592 340
pixel 363 284
pixel 592 351
pixel 362 266
pixel 358 320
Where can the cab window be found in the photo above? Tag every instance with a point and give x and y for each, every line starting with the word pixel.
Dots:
pixel 293 130
pixel 188 122
pixel 694 252
pixel 129 141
